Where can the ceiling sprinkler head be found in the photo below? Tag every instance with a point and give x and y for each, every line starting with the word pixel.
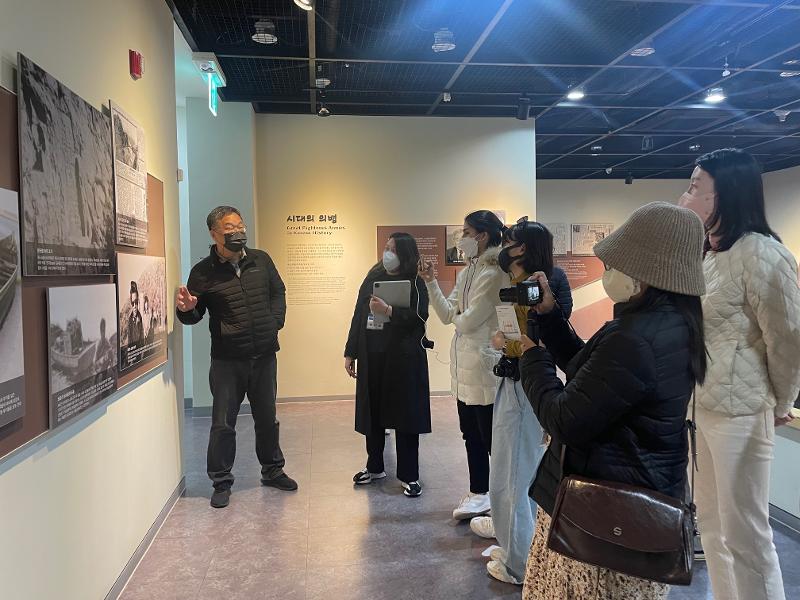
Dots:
pixel 782 115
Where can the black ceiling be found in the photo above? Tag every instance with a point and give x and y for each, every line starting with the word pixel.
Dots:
pixel 641 115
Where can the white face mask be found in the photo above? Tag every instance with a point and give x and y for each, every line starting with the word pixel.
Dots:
pixel 390 261
pixel 469 246
pixel 620 287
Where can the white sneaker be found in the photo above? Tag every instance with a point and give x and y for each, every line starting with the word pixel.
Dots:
pixel 498 571
pixel 471 506
pixel 498 554
pixel 483 527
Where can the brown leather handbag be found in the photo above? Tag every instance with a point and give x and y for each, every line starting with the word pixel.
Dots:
pixel 626 528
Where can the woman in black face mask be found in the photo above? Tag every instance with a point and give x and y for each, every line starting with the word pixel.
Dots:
pixel 518 445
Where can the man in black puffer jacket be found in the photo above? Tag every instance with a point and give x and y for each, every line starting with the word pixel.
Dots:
pixel 246 300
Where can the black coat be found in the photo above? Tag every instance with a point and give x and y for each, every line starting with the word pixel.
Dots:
pixel 405 403
pixel 559 285
pixel 622 414
pixel 246 311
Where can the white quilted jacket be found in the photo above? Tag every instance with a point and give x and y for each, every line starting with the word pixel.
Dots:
pixel 471 308
pixel 752 327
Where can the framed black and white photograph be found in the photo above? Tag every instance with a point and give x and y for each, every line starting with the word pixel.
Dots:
pixel 82 348
pixel 130 178
pixel 142 303
pixel 66 178
pixel 454 255
pixel 12 366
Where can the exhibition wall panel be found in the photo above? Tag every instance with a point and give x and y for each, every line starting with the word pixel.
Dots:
pixel 78 502
pixel 604 202
pixel 353 174
pixel 782 195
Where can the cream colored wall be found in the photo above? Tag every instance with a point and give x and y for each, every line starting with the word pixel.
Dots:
pixel 584 201
pixel 76 505
pixel 377 171
pixel 782 195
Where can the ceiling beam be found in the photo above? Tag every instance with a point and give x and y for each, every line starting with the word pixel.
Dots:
pixel 184 29
pixel 723 3
pixel 519 65
pixel 312 56
pixel 473 51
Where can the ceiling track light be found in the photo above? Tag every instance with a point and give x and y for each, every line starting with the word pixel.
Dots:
pixel 265 33
pixel 576 94
pixel 305 4
pixel 629 179
pixel 321 82
pixel 647 143
pixel 782 114
pixel 597 148
pixel 789 63
pixel 715 95
pixel 725 68
pixel 790 74
pixel 446 97
pixel 694 147
pixel 443 40
pixel 643 51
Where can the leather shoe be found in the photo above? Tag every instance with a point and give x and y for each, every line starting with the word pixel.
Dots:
pixel 281 482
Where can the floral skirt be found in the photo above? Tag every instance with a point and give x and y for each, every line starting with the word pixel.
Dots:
pixel 551 576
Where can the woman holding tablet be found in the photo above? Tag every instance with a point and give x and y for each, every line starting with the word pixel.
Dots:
pixel 386 342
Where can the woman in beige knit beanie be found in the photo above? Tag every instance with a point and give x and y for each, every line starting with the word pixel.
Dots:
pixel 621 416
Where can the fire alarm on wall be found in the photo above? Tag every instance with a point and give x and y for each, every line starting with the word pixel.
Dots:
pixel 136 61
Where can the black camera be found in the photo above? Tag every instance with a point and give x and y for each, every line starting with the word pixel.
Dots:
pixel 507 367
pixel 525 293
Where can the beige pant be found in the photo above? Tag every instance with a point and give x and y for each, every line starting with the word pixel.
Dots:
pixel 732 497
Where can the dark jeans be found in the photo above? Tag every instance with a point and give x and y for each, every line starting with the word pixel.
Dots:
pixel 230 380
pixel 476 426
pixel 406 444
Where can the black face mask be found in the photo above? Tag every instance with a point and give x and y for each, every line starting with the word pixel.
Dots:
pixel 505 260
pixel 235 241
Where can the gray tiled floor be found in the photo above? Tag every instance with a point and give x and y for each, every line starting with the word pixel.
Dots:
pixel 329 540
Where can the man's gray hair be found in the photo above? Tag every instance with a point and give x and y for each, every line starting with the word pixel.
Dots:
pixel 220 213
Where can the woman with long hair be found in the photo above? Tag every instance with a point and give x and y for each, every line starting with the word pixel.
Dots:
pixel 471 309
pixel 752 321
pixel 390 367
pixel 621 416
pixel 517 437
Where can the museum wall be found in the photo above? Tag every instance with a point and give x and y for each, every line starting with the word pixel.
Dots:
pixel 221 171
pixel 782 193
pixel 77 502
pixel 368 172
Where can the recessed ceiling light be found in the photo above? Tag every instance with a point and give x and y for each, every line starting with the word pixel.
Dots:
pixel 715 95
pixel 793 61
pixel 790 73
pixel 265 33
pixel 444 40
pixel 644 51
pixel 576 94
pixel 305 4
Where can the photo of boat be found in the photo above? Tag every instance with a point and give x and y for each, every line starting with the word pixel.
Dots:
pixel 9 274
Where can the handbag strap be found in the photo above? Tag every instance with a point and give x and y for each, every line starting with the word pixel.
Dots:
pixel 692 424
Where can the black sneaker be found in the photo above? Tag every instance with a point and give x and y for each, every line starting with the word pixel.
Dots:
pixel 364 477
pixel 282 482
pixel 221 498
pixel 413 489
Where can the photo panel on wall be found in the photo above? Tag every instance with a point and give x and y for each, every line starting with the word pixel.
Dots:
pixel 142 312
pixel 130 178
pixel 82 348
pixel 12 368
pixel 66 178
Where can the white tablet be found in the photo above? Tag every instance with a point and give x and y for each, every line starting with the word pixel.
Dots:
pixel 394 293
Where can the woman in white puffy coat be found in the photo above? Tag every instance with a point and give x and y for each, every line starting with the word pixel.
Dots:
pixel 752 327
pixel 471 308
